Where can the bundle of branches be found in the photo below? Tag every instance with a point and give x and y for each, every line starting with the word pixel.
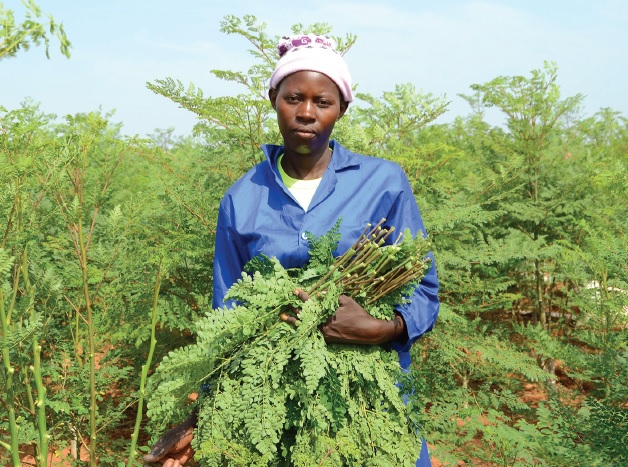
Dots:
pixel 277 394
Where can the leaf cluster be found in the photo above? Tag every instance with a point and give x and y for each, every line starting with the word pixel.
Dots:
pixel 272 392
pixel 15 37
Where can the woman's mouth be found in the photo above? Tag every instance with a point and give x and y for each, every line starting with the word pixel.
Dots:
pixel 304 133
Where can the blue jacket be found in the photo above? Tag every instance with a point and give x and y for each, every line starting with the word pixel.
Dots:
pixel 259 215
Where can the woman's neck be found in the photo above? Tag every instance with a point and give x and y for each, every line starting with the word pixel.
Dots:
pixel 305 166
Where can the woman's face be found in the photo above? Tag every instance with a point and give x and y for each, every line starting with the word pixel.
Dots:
pixel 308 104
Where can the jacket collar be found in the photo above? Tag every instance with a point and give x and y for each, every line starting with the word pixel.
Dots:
pixel 341 159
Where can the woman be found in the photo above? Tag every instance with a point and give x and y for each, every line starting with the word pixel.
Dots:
pixel 306 185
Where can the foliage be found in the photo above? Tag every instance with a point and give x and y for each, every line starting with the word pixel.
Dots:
pixel 57 182
pixel 276 393
pixel 594 434
pixel 527 221
pixel 16 37
pixel 240 124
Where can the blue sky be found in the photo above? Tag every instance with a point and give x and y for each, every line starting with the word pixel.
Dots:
pixel 442 47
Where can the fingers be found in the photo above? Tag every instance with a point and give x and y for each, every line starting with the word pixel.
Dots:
pixel 292 317
pixel 302 295
pixel 178 459
pixel 287 317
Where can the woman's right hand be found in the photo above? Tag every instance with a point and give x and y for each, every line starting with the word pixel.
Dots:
pixel 174 448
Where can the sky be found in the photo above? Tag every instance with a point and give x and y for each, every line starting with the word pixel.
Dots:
pixel 442 47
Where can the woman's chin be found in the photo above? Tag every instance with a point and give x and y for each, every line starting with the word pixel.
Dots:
pixel 304 150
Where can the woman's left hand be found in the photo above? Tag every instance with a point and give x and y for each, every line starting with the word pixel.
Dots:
pixel 351 324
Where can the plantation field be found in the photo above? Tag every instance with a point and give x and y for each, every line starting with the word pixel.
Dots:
pixel 107 245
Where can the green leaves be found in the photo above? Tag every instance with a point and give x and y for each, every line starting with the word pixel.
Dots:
pixel 276 393
pixel 526 213
pixel 15 37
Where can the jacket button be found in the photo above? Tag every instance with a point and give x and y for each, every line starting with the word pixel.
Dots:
pixel 304 236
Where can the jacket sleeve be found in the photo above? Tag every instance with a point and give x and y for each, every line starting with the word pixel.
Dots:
pixel 228 262
pixel 420 314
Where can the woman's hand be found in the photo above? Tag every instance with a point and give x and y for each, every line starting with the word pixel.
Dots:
pixel 174 448
pixel 351 324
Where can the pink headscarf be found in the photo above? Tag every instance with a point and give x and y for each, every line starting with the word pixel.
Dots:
pixel 312 53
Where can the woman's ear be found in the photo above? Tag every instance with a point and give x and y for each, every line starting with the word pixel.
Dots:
pixel 344 105
pixel 272 95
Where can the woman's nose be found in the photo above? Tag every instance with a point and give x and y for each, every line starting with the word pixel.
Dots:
pixel 306 111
